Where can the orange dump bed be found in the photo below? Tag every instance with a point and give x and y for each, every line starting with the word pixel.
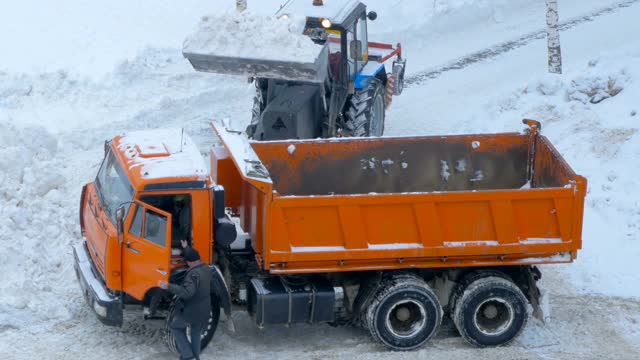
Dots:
pixel 383 203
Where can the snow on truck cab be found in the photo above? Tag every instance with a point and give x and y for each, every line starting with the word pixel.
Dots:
pixel 387 233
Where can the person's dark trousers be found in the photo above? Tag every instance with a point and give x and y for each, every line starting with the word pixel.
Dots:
pixel 188 350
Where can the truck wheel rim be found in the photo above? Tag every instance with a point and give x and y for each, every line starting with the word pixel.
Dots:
pixel 377 116
pixel 205 329
pixel 406 318
pixel 493 316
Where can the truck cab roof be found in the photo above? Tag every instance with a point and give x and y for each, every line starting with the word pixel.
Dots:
pixel 337 11
pixel 161 159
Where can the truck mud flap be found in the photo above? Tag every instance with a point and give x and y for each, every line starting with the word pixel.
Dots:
pixel 220 289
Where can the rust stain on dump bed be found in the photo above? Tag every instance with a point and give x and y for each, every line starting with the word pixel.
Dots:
pixel 397 165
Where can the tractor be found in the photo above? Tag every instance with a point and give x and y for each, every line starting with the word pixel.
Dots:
pixel 344 92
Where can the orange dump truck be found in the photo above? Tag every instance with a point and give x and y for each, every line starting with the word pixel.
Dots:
pixel 388 233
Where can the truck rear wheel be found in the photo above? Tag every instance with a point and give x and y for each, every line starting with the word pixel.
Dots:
pixel 492 311
pixel 404 313
pixel 365 110
pixel 207 331
pixel 467 280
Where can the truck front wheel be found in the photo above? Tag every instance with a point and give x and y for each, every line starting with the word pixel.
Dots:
pixel 207 331
pixel 404 314
pixel 492 311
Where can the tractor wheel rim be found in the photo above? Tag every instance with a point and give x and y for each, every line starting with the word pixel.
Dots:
pixel 406 318
pixel 493 316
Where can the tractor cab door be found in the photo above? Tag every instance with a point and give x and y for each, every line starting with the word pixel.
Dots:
pixel 362 41
pixel 351 45
pixel 147 250
pixel 357 46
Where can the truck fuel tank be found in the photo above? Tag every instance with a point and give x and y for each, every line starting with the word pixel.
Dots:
pixel 279 300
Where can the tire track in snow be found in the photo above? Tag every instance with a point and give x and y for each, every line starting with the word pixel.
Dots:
pixel 507 46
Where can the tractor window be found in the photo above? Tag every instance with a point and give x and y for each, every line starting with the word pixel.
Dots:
pixel 352 56
pixel 155 229
pixel 335 54
pixel 362 36
pixel 136 225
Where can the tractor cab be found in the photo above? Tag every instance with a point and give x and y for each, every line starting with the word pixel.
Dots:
pixel 343 25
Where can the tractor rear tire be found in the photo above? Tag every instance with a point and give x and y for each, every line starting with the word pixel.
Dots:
pixel 404 313
pixel 365 110
pixel 207 331
pixel 492 311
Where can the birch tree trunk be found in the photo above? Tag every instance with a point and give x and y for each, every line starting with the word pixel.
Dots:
pixel 553 38
pixel 241 5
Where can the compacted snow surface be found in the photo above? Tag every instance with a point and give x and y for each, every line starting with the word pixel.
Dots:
pixel 73 75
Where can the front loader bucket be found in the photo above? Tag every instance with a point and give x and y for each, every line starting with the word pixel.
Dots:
pixel 262 68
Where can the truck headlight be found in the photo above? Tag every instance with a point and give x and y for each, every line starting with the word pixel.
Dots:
pixel 99 309
pixel 326 23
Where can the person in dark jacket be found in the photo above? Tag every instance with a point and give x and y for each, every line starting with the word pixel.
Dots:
pixel 194 303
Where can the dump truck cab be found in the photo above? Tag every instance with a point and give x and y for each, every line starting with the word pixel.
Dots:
pixel 133 216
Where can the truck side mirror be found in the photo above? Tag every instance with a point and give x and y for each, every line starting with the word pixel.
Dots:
pixel 356 49
pixel 106 147
pixel 120 223
pixel 372 15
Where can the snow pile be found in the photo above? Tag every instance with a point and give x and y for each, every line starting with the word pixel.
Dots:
pixel 247 35
pixel 32 189
pixel 602 79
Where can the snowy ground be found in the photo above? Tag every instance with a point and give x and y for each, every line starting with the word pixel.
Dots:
pixel 77 73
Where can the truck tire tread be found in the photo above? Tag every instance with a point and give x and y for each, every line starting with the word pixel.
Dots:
pixel 403 286
pixel 214 318
pixel 490 288
pixel 469 278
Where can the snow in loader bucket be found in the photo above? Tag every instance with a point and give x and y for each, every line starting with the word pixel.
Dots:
pixel 224 45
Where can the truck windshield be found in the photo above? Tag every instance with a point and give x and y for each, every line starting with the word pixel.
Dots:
pixel 113 186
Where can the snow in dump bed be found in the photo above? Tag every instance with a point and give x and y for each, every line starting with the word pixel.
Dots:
pixel 164 153
pixel 247 35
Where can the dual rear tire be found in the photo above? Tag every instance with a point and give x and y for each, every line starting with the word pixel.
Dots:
pixel 404 313
pixel 489 309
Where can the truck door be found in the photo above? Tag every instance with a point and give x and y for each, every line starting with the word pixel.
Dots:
pixel 146 250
